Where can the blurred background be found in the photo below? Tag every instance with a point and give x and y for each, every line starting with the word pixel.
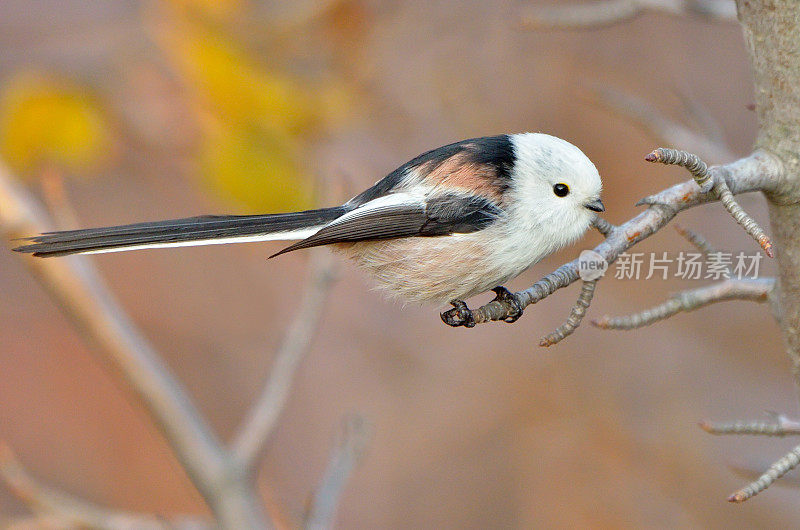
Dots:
pixel 118 112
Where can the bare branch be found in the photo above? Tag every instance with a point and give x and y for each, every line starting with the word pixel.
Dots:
pixel 71 511
pixel 604 13
pixel 696 240
pixel 575 317
pixel 691 162
pixel 346 455
pixel 80 292
pixel 263 416
pixel 756 290
pixel 776 471
pixel 780 425
pixel 663 129
pixel 751 473
pixel 742 218
pixel 709 181
pixel 705 122
pixel 582 15
pixel 758 172
pixel 603 226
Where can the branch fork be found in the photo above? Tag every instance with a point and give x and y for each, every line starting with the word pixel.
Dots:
pixel 709 181
pixel 224 475
pixel 779 425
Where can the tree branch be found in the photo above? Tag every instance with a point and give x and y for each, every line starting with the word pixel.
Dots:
pixel 264 414
pixel 776 471
pixel 601 225
pixel 81 293
pixel 575 317
pixel 708 145
pixel 72 511
pixel 756 290
pixel 607 12
pixel 758 172
pixel 752 473
pixel 696 240
pixel 780 425
pixel 346 455
pixel 711 182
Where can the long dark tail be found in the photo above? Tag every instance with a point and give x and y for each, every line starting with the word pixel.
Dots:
pixel 203 230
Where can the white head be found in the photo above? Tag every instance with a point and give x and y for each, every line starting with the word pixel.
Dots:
pixel 555 192
pixel 556 186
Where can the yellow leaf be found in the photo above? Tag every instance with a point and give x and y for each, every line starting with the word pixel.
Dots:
pixel 46 121
pixel 234 85
pixel 256 169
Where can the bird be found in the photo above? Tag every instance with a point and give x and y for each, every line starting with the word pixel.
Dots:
pixel 455 221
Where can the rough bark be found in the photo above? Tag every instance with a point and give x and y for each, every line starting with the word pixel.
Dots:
pixel 772 35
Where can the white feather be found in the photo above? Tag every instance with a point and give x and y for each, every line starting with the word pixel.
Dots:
pixel 277 236
pixel 399 200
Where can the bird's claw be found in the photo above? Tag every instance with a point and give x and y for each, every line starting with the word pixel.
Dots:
pixel 504 296
pixel 460 315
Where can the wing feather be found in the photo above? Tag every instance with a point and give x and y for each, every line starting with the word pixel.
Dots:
pixel 402 215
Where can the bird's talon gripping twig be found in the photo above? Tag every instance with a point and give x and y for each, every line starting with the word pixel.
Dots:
pixel 504 296
pixel 460 315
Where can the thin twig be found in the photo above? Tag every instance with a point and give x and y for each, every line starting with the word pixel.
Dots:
pixel 756 290
pixel 72 511
pixel 696 240
pixel 80 292
pixel 779 425
pixel 742 218
pixel 751 473
pixel 775 471
pixel 709 181
pixel 693 164
pixel 575 317
pixel 346 455
pixel 602 226
pixel 756 428
pixel 661 128
pixel 606 12
pixel 709 127
pixel 581 15
pixel 758 172
pixel 264 414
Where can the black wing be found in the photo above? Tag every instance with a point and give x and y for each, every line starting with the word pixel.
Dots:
pixel 495 153
pixel 439 216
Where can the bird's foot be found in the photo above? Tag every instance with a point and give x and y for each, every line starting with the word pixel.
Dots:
pixel 460 315
pixel 505 296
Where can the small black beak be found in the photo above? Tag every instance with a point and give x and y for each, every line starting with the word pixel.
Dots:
pixel 596 206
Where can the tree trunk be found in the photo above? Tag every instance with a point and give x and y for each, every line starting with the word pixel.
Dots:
pixel 772 36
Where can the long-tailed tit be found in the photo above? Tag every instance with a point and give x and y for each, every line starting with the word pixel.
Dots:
pixel 451 223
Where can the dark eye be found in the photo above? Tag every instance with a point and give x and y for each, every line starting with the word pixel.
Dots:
pixel 561 189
